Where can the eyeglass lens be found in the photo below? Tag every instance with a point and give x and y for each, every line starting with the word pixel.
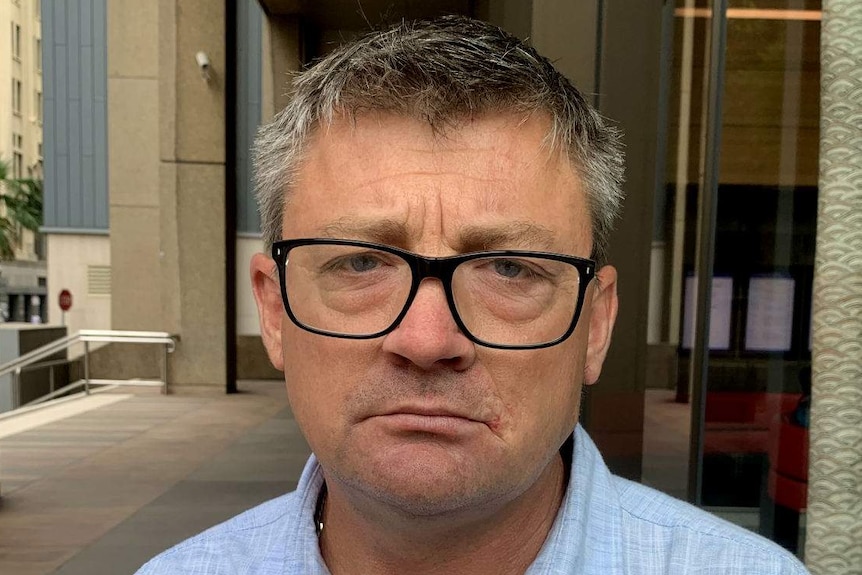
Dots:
pixel 503 300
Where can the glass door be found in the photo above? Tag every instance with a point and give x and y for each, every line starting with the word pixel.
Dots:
pixel 736 232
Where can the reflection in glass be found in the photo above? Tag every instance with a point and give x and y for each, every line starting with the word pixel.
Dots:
pixel 754 423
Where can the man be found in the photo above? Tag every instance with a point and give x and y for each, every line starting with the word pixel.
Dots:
pixel 438 200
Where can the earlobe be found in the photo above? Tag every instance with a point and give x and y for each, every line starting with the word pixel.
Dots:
pixel 603 315
pixel 270 309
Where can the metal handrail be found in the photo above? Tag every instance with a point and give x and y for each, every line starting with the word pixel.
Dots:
pixel 29 360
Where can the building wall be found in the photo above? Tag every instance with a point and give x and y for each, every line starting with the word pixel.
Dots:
pixel 249 68
pixel 133 159
pixel 136 149
pixel 21 98
pixel 75 170
pixel 247 323
pixel 75 60
pixel 78 263
pixel 22 291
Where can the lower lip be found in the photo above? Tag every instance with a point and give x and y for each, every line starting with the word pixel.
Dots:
pixel 434 424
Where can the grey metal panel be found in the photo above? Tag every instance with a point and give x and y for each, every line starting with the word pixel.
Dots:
pixel 100 116
pixel 60 83
pixel 76 195
pixel 62 184
pixel 100 160
pixel 87 180
pixel 59 22
pixel 49 206
pixel 86 22
pixel 249 38
pixel 87 100
pixel 73 52
pixel 76 231
pixel 100 54
pixel 75 131
pixel 74 49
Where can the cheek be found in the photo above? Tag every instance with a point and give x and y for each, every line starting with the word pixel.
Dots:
pixel 541 395
pixel 317 385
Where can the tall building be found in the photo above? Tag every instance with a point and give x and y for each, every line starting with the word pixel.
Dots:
pixel 22 281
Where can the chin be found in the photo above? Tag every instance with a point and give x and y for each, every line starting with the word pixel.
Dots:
pixel 431 480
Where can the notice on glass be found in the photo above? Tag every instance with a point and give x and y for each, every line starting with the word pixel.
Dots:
pixel 719 313
pixel 769 326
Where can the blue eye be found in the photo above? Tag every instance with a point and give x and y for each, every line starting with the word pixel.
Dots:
pixel 363 263
pixel 509 268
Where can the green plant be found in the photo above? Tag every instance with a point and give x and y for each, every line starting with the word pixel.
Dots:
pixel 20 208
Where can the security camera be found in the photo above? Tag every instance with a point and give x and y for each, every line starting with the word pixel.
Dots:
pixel 203 61
pixel 204 64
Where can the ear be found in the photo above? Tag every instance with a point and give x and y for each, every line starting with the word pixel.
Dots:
pixel 603 315
pixel 270 309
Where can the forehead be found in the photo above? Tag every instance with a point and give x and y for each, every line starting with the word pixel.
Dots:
pixel 494 171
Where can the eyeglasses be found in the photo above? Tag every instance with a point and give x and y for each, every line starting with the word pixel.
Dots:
pixel 507 299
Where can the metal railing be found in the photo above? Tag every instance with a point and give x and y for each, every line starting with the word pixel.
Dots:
pixel 32 360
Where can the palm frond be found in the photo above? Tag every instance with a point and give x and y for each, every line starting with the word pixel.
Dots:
pixel 20 207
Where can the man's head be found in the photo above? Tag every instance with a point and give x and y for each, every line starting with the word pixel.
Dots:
pixel 437 139
pixel 441 73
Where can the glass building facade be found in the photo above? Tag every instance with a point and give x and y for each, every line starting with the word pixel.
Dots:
pixel 733 261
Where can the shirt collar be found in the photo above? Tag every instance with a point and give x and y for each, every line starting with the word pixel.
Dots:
pixel 586 535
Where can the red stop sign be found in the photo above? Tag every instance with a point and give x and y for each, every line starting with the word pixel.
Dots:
pixel 65 300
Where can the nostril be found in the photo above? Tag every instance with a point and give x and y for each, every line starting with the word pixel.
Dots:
pixel 428 336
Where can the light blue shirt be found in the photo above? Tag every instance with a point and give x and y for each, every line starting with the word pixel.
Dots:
pixel 606 526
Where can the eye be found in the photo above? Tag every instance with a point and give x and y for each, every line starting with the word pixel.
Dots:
pixel 511 268
pixel 362 263
pixel 359 263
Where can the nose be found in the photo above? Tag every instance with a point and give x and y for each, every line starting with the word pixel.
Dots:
pixel 428 336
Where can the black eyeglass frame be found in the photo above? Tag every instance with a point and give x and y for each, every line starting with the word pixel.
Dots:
pixel 441 268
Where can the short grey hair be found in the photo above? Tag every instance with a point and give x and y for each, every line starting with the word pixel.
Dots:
pixel 443 72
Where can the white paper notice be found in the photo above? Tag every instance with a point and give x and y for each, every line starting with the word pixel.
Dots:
pixel 769 325
pixel 719 313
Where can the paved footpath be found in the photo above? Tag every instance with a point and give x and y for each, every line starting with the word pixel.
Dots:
pixel 96 486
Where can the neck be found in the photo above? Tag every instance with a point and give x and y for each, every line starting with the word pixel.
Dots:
pixel 504 541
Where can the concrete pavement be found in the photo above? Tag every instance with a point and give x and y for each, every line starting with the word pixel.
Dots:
pixel 99 485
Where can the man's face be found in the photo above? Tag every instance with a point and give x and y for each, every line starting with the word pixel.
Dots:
pixel 422 418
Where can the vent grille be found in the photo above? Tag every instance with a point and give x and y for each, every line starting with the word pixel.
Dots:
pixel 99 280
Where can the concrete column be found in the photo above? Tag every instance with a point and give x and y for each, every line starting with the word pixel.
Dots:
pixel 834 531
pixel 282 57
pixel 567 34
pixel 133 164
pixel 166 130
pixel 192 187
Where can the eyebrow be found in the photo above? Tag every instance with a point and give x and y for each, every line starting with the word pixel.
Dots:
pixel 471 238
pixel 383 231
pixel 517 234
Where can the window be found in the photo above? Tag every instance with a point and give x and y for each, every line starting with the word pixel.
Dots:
pixel 40 163
pixel 17 165
pixel 16 41
pixel 38 52
pixel 17 156
pixel 16 97
pixel 37 103
pixel 38 5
